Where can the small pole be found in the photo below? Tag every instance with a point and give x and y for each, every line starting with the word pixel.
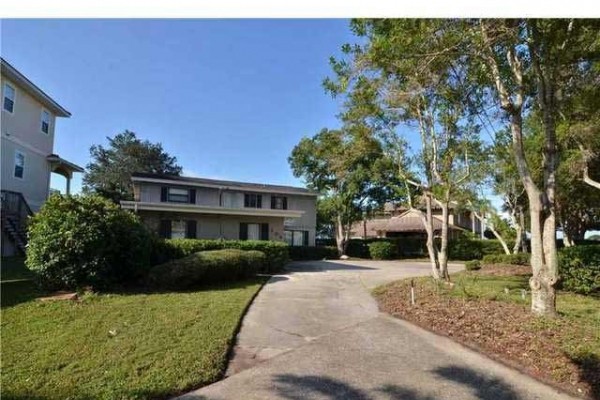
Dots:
pixel 412 292
pixel 523 292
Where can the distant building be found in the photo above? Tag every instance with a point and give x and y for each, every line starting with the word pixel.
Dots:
pixel 28 119
pixel 397 221
pixel 182 207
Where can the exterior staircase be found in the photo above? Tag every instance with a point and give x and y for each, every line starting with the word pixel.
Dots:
pixel 14 214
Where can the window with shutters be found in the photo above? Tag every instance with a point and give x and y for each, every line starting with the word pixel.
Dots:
pixel 252 200
pixel 296 238
pixel 254 231
pixel 279 202
pixel 177 195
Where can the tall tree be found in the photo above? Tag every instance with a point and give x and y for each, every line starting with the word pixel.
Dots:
pixel 109 172
pixel 348 168
pixel 390 84
pixel 527 63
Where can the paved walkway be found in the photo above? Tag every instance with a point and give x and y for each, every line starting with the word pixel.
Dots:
pixel 315 333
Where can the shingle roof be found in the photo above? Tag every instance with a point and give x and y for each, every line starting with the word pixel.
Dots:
pixel 217 182
pixel 409 221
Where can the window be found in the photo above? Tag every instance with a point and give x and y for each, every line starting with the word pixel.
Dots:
pixel 178 229
pixel 296 238
pixel 279 202
pixel 178 195
pixel 252 200
pixel 19 165
pixel 45 121
pixel 9 98
pixel 254 231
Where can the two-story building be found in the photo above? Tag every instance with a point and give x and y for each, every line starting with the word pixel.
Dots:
pixel 398 221
pixel 184 207
pixel 27 121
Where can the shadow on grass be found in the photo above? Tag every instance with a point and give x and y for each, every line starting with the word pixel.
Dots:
pixel 589 371
pixel 297 387
pixel 16 292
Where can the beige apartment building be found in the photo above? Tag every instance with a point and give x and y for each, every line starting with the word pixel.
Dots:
pixel 27 122
pixel 183 207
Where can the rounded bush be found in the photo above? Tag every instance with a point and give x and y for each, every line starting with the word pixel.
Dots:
pixel 382 250
pixel 579 269
pixel 510 259
pixel 77 241
pixel 473 265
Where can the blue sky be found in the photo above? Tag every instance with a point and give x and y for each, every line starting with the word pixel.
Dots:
pixel 228 98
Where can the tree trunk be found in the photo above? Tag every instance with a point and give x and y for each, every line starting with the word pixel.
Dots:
pixel 340 238
pixel 543 234
pixel 443 253
pixel 494 231
pixel 435 267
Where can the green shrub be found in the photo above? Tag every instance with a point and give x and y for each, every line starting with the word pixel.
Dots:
pixel 467 247
pixel 579 269
pixel 382 250
pixel 276 252
pixel 299 253
pixel 214 266
pixel 511 259
pixel 473 265
pixel 76 241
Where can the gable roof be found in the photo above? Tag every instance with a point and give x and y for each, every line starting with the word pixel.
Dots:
pixel 221 184
pixel 408 221
pixel 32 89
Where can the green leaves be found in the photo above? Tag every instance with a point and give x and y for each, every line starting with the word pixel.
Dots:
pixel 109 173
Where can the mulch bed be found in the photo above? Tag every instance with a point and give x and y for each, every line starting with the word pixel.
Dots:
pixel 504 331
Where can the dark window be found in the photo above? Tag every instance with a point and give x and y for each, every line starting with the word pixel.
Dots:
pixel 9 98
pixel 178 195
pixel 279 202
pixel 19 164
pixel 45 121
pixel 191 229
pixel 252 200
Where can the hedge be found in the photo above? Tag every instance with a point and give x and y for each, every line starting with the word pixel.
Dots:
pixel 473 265
pixel 77 241
pixel 299 253
pixel 214 266
pixel 465 248
pixel 579 269
pixel 276 252
pixel 382 250
pixel 511 259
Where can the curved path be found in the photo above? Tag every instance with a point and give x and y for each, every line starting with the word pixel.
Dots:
pixel 315 333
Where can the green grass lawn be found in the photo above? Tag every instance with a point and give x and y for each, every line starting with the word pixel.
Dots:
pixel 585 309
pixel 117 346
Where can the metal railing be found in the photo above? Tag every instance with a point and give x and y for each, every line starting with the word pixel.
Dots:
pixel 15 205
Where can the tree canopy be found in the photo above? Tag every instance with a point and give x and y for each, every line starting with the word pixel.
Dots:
pixel 109 172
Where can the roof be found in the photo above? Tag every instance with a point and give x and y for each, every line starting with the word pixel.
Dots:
pixel 420 204
pixel 409 221
pixel 222 184
pixel 56 159
pixel 14 75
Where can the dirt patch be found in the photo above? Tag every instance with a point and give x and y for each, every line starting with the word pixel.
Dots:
pixel 505 270
pixel 502 330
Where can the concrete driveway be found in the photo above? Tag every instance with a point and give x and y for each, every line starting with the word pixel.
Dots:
pixel 315 332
